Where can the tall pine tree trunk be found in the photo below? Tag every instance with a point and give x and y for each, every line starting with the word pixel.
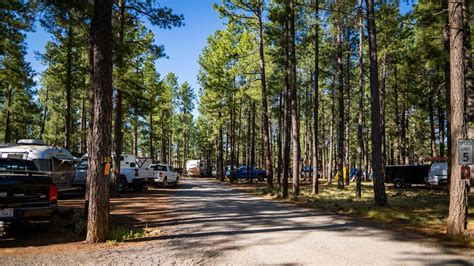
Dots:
pixel 7 136
pixel 341 114
pixel 457 218
pixel 83 145
pixel 68 85
pixel 432 125
pixel 295 132
pixel 441 121
pixel 315 187
pixel 265 119
pixel 118 134
pixel 360 141
pixel 99 153
pixel 280 136
pixel 286 111
pixel 378 178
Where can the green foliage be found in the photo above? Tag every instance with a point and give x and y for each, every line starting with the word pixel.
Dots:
pixel 19 111
pixel 120 234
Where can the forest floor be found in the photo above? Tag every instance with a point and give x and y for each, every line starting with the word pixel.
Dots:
pixel 417 208
pixel 129 217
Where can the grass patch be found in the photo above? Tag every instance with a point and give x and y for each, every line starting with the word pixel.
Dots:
pixel 120 234
pixel 419 208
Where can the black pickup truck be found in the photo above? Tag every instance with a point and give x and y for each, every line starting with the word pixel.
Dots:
pixel 25 194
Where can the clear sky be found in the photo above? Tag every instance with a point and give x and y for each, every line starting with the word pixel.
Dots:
pixel 182 45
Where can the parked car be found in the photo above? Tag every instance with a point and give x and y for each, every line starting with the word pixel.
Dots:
pixel 246 172
pixel 164 175
pixel 131 176
pixel 406 175
pixel 26 195
pixel 308 171
pixel 55 162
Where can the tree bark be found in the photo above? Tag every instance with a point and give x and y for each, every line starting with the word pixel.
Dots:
pixel 295 132
pixel 457 218
pixel 220 154
pixel 118 134
pixel 315 185
pixel 101 40
pixel 341 115
pixel 432 125
pixel 265 123
pixel 280 136
pixel 287 109
pixel 331 135
pixel 378 178
pixel 383 90
pixel 83 145
pixel 252 141
pixel 360 141
pixel 347 107
pixel 441 121
pixel 7 136
pixel 68 85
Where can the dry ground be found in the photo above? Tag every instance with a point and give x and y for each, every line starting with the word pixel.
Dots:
pixel 420 209
pixel 132 210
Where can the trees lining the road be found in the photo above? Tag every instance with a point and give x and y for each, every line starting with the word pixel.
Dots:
pixel 305 57
pixel 408 103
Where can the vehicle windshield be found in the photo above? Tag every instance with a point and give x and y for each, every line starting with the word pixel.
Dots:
pixel 17 165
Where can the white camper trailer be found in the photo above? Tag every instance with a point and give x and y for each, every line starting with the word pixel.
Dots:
pixel 194 168
pixel 55 162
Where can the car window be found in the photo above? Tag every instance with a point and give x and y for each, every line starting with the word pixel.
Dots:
pixel 17 165
pixel 82 166
pixel 160 167
pixel 44 165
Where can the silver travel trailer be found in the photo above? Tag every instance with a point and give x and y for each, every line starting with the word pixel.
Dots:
pixel 55 162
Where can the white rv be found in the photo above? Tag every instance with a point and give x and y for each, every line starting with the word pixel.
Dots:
pixel 55 162
pixel 194 168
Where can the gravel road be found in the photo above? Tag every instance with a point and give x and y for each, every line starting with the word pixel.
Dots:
pixel 212 223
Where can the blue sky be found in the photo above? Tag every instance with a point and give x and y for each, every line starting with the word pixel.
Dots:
pixel 182 45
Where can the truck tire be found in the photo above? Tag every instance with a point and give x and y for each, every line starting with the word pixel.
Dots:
pixel 260 178
pixel 138 187
pixel 399 183
pixel 176 182
pixel 122 186
pixel 44 227
pixel 165 182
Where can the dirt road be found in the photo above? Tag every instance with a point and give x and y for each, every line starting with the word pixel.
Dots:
pixel 213 223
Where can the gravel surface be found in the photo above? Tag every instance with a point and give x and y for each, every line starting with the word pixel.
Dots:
pixel 212 223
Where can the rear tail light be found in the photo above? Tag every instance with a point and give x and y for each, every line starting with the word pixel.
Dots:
pixel 136 172
pixel 53 193
pixel 161 174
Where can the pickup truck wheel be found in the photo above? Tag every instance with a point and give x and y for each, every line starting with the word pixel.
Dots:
pixel 165 183
pixel 260 178
pixel 176 182
pixel 44 227
pixel 138 187
pixel 398 184
pixel 122 185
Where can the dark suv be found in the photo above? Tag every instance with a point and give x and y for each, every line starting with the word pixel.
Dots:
pixel 25 194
